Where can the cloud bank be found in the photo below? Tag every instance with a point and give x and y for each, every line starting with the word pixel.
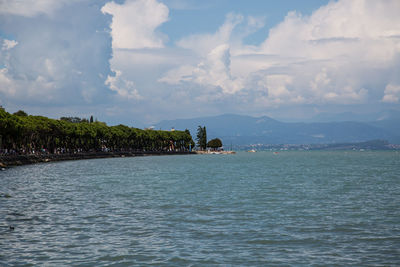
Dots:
pixel 134 23
pixel 112 57
pixel 324 58
pixel 58 56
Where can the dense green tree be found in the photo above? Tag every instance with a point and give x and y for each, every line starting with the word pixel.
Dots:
pixel 214 143
pixel 20 113
pixel 189 140
pixel 201 137
pixel 31 134
pixel 204 140
pixel 72 119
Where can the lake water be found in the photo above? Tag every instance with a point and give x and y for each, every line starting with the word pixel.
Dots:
pixel 249 209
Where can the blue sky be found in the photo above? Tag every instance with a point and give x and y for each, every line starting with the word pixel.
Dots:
pixel 141 61
pixel 207 16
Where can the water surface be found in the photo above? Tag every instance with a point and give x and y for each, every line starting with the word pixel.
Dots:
pixel 249 209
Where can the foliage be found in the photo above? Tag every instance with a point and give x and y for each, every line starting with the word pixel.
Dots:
pixel 28 134
pixel 214 143
pixel 21 113
pixel 201 137
pixel 74 119
pixel 192 144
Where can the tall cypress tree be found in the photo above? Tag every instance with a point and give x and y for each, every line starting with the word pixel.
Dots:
pixel 204 138
pixel 201 137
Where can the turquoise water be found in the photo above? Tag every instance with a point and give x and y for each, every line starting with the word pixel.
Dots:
pixel 249 209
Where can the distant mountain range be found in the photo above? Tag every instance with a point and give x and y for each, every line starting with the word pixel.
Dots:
pixel 246 130
pixel 350 116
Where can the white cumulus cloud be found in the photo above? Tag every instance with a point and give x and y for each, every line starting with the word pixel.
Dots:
pixel 213 71
pixel 340 54
pixel 31 8
pixel 62 56
pixel 204 43
pixel 123 87
pixel 8 44
pixel 392 93
pixel 134 23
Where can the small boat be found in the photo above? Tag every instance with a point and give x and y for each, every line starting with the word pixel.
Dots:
pixel 252 150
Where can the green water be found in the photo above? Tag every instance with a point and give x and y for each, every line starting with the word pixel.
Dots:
pixel 249 209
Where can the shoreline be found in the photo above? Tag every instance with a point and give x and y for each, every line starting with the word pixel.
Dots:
pixel 228 152
pixel 19 160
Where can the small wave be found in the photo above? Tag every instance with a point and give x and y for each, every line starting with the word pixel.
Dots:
pixel 15 214
pixel 178 260
pixel 282 242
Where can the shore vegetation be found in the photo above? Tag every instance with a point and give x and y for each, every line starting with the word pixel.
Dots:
pixel 21 133
pixel 201 137
pixel 214 144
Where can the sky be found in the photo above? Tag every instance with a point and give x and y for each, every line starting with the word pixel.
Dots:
pixel 138 62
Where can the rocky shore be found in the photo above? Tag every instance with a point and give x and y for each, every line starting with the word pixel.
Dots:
pixel 15 160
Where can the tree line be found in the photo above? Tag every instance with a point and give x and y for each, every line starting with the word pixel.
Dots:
pixel 25 134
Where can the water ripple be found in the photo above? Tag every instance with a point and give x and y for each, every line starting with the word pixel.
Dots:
pixel 249 209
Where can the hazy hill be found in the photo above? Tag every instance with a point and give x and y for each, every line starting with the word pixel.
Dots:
pixel 243 130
